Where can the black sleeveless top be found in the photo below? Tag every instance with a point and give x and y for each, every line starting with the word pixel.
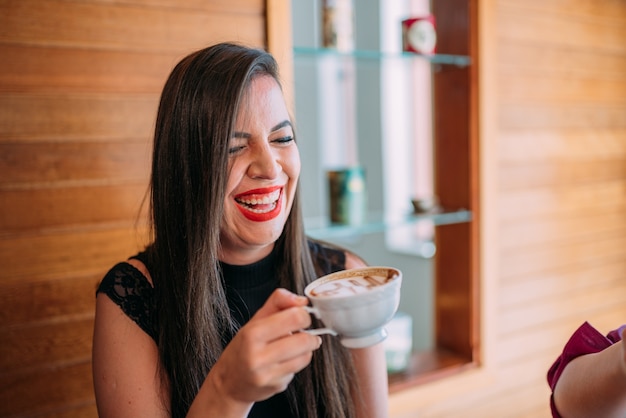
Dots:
pixel 247 289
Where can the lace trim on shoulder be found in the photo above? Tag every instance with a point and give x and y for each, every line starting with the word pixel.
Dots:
pixel 128 288
pixel 326 259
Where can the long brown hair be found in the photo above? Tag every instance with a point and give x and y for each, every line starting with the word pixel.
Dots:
pixel 195 120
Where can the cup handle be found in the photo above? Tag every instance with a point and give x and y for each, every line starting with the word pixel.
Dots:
pixel 321 331
pixel 313 311
pixel 318 331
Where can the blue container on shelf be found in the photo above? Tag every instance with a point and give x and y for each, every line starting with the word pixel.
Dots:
pixel 347 195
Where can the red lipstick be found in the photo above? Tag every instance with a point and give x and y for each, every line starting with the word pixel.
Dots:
pixel 260 205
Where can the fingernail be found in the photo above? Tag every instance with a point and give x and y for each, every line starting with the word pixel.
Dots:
pixel 319 342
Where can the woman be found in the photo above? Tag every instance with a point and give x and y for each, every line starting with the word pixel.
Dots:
pixel 205 322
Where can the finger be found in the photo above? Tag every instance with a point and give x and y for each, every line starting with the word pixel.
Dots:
pixel 275 365
pixel 291 354
pixel 279 300
pixel 292 346
pixel 284 372
pixel 278 325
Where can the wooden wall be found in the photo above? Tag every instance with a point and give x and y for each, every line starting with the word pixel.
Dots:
pixel 553 156
pixel 79 87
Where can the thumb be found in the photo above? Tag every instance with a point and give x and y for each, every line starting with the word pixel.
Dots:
pixel 279 300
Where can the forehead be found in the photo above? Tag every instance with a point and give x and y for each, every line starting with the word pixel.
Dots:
pixel 262 101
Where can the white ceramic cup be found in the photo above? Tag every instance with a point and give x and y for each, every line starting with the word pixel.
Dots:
pixel 355 304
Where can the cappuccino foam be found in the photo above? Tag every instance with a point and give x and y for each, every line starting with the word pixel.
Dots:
pixel 348 286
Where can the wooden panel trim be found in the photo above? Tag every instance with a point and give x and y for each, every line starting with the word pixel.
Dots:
pixel 280 44
pixel 456 181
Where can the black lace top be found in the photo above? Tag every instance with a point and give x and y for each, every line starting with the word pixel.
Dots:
pixel 247 289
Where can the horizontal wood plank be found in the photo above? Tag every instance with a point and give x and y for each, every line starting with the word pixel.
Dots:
pixel 549 338
pixel 541 202
pixel 44 69
pixel 112 25
pixel 569 279
pixel 254 7
pixel 484 401
pixel 81 410
pixel 530 400
pixel 80 251
pixel 551 27
pixel 50 208
pixel 519 319
pixel 518 389
pixel 46 390
pixel 565 116
pixel 45 345
pixel 555 174
pixel 553 61
pixel 562 88
pixel 553 230
pixel 611 10
pixel 33 300
pixel 54 118
pixel 530 146
pixel 533 260
pixel 28 164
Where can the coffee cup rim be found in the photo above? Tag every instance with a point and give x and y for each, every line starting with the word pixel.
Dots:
pixel 351 272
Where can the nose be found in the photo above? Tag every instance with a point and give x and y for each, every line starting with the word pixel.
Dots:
pixel 264 164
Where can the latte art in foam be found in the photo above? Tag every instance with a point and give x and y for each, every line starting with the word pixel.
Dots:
pixel 348 286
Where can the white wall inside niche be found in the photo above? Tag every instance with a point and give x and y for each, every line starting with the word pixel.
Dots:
pixel 387 125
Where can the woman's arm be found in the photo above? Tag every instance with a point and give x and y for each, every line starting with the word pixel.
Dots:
pixel 125 374
pixel 594 385
pixel 259 362
pixel 125 359
pixel 372 399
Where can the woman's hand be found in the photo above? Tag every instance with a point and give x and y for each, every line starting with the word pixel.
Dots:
pixel 265 354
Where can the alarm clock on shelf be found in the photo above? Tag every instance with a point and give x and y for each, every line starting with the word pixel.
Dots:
pixel 419 35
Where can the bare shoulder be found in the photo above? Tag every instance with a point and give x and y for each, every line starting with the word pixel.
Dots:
pixel 124 363
pixel 141 267
pixel 353 261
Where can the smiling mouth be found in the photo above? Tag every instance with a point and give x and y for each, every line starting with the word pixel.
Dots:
pixel 259 203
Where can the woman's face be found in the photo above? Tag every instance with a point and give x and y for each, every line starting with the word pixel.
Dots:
pixel 264 165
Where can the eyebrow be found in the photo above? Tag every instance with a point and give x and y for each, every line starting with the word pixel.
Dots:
pixel 281 125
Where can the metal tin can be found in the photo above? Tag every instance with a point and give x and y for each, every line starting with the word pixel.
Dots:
pixel 338 25
pixel 347 196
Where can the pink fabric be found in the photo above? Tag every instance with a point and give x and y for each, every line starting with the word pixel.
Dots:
pixel 585 340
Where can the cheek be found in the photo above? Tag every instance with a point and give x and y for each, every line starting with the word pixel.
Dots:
pixel 234 177
pixel 294 165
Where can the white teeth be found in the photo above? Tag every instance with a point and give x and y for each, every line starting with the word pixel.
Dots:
pixel 269 199
pixel 271 208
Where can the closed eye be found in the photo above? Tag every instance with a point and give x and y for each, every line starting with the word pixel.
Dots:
pixel 235 149
pixel 283 140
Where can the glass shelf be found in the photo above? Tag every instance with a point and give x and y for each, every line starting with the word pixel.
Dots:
pixel 458 60
pixel 322 228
